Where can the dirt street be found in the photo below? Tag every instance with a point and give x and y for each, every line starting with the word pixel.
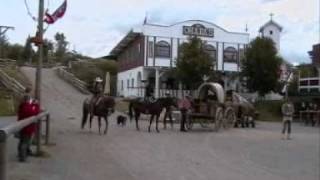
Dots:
pixel 124 153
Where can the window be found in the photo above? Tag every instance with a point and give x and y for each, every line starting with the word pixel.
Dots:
pixel 121 85
pixel 128 83
pixel 211 51
pixel 150 49
pixel 132 82
pixel 162 49
pixel 230 55
pixel 271 32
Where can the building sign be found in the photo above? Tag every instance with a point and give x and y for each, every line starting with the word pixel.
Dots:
pixel 198 30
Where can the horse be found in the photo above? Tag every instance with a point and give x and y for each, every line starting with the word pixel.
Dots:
pixel 153 108
pixel 102 108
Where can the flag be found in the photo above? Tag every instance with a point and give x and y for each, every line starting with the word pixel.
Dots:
pixel 52 18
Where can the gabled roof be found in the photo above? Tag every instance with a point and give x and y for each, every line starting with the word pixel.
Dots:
pixel 271 22
pixel 124 43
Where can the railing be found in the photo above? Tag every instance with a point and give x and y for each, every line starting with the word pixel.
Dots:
pixel 11 83
pixel 15 127
pixel 70 78
pixel 140 92
pixel 7 62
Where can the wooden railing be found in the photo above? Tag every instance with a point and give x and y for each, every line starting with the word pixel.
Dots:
pixel 11 83
pixel 15 127
pixel 74 81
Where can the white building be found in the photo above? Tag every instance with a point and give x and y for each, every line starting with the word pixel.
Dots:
pixel 272 30
pixel 146 53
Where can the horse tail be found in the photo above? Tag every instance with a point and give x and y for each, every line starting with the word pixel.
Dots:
pixel 85 113
pixel 130 110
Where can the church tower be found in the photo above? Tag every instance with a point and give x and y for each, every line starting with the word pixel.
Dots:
pixel 272 30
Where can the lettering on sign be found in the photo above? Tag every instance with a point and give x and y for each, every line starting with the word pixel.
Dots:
pixel 198 30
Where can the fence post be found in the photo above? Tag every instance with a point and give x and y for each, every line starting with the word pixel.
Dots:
pixel 47 129
pixel 3 156
pixel 38 137
pixel 3 161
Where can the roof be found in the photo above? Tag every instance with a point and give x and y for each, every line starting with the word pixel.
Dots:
pixel 214 87
pixel 196 21
pixel 124 43
pixel 271 22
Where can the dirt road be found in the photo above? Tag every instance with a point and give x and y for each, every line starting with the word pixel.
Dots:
pixel 124 153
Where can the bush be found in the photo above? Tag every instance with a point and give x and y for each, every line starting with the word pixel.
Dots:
pixel 269 110
pixel 88 71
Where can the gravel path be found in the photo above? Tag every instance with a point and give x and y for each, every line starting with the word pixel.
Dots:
pixel 124 153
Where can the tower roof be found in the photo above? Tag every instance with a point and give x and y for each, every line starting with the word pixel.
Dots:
pixel 271 22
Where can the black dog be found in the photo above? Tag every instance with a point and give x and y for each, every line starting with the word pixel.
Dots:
pixel 121 120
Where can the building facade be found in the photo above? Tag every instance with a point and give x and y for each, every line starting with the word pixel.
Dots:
pixel 146 53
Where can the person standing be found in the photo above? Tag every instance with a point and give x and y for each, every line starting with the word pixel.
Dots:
pixel 28 107
pixel 184 105
pixel 287 110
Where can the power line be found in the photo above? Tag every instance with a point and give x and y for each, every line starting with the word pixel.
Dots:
pixel 29 12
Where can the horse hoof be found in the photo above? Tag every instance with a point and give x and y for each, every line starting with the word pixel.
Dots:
pixel 158 131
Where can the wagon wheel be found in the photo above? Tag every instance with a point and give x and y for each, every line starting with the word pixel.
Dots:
pixel 189 123
pixel 209 122
pixel 218 119
pixel 229 118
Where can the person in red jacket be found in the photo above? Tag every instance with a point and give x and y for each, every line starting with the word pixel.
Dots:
pixel 28 107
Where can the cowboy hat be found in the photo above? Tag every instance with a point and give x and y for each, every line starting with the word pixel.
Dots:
pixel 98 79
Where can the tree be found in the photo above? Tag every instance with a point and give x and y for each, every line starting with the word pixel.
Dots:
pixel 28 52
pixel 15 52
pixel 47 50
pixel 261 66
pixel 61 46
pixel 193 63
pixel 3 45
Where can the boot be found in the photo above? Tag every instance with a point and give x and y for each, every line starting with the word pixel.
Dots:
pixel 288 137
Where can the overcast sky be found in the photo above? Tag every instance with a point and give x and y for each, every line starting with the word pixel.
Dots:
pixel 94 27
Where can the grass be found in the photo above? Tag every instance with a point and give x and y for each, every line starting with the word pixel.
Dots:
pixel 269 110
pixel 15 73
pixel 7 106
pixel 122 106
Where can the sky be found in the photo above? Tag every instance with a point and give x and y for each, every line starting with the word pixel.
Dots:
pixel 94 27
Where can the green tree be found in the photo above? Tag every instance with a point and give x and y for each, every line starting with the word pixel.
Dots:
pixel 61 46
pixel 261 66
pixel 3 46
pixel 28 52
pixel 15 52
pixel 193 63
pixel 47 50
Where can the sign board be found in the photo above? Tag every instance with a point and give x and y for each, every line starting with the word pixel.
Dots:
pixel 198 30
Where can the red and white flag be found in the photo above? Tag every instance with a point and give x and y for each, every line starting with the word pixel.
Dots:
pixel 52 18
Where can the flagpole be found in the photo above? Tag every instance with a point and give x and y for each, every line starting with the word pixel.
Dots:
pixel 40 51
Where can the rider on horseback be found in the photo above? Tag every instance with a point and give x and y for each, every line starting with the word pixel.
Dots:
pixel 97 90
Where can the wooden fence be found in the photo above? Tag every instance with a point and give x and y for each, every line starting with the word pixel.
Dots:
pixel 11 84
pixel 15 127
pixel 74 81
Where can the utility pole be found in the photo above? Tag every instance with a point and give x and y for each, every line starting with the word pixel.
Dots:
pixel 3 30
pixel 40 51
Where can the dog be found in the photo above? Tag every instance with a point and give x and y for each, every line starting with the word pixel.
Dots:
pixel 121 120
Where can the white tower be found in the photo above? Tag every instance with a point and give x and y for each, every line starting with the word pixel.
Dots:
pixel 272 30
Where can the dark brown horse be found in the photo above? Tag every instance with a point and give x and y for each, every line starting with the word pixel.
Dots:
pixel 138 106
pixel 102 108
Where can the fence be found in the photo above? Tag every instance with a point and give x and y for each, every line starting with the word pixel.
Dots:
pixel 7 62
pixel 140 92
pixel 15 127
pixel 69 77
pixel 11 83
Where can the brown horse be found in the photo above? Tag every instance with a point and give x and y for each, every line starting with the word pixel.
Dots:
pixel 102 108
pixel 154 109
